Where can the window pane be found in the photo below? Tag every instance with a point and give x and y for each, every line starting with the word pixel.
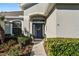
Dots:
pixel 16 29
pixel 16 24
pixel 7 28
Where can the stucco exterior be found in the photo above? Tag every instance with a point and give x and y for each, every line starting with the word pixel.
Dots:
pixel 9 18
pixel 62 22
pixel 51 25
pixel 55 20
pixel 36 9
pixel 67 17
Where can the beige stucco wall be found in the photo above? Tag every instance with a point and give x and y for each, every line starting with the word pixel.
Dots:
pixel 61 23
pixel 68 23
pixel 51 25
pixel 11 19
pixel 35 9
pixel 25 26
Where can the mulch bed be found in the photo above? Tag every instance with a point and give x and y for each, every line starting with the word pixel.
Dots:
pixel 26 50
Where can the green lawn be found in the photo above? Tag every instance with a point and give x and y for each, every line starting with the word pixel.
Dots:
pixel 62 46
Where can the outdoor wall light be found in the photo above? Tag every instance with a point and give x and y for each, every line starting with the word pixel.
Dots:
pixel 58 24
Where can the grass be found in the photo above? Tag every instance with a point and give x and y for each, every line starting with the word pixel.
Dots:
pixel 62 46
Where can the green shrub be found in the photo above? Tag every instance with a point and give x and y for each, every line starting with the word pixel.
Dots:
pixel 2 18
pixel 4 46
pixel 63 47
pixel 23 40
pixel 14 51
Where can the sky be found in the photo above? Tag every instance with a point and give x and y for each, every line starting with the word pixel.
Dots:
pixel 9 7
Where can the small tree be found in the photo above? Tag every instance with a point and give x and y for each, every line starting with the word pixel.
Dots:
pixel 1 29
pixel 2 18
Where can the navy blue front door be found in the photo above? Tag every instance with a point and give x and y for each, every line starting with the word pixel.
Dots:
pixel 37 30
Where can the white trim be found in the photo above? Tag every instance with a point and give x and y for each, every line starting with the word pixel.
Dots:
pixel 13 17
pixel 11 30
pixel 41 13
pixel 38 39
pixel 11 26
pixel 38 22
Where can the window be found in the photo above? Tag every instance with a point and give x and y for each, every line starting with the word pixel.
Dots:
pixel 16 28
pixel 8 28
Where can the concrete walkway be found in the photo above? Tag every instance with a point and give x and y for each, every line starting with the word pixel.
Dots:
pixel 38 50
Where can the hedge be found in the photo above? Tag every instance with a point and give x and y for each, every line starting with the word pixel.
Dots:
pixel 62 46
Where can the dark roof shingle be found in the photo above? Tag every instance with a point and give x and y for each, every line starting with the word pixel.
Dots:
pixel 13 13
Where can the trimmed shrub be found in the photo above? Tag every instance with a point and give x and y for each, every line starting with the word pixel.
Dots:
pixel 24 40
pixel 14 51
pixel 63 46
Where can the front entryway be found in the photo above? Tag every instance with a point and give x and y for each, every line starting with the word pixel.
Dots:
pixel 38 30
pixel 38 26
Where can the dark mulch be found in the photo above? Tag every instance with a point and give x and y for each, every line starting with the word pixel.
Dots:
pixel 26 50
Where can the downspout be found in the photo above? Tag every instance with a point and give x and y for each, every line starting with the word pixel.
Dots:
pixel 29 28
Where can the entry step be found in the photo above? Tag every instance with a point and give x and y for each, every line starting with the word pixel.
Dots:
pixel 36 41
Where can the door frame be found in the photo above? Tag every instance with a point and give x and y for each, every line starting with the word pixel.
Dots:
pixel 43 29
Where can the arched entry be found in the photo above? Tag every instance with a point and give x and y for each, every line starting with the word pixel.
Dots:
pixel 38 25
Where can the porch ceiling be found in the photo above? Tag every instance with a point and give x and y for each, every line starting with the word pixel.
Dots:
pixel 50 8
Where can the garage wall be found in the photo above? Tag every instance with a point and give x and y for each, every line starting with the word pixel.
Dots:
pixel 67 22
pixel 50 28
